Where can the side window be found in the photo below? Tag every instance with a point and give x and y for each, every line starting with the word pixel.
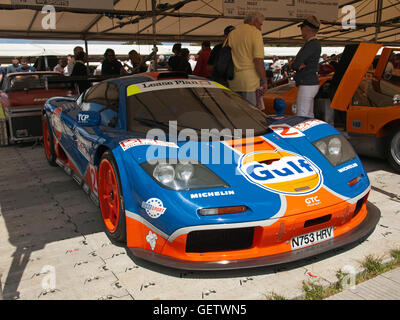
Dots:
pixel 97 94
pixel 103 98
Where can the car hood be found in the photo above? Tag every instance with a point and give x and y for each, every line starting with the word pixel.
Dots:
pixel 265 171
pixel 351 69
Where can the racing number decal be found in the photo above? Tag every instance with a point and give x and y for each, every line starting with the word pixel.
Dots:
pixel 286 131
pixel 93 179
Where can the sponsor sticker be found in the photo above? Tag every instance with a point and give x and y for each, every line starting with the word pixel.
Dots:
pixel 281 171
pixel 130 143
pixel 170 84
pixel 154 208
pixel 211 194
pixel 308 124
pixel 151 238
pixel 313 201
pixel 349 167
pixel 286 131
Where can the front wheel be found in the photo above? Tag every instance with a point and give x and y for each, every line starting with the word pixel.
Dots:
pixel 393 150
pixel 110 198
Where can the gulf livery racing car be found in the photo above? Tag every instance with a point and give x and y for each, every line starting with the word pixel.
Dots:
pixel 191 176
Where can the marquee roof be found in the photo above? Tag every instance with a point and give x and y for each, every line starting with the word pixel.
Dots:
pixel 192 21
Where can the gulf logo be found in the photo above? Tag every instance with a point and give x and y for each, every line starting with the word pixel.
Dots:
pixel 281 171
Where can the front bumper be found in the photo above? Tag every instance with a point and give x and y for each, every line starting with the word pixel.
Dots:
pixel 356 234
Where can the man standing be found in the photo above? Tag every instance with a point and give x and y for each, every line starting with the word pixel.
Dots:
pixel 202 60
pixel 71 62
pixel 80 70
pixel 14 66
pixel 276 68
pixel 247 47
pixel 212 59
pixel 306 65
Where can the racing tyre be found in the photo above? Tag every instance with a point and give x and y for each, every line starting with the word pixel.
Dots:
pixel 110 198
pixel 394 150
pixel 48 142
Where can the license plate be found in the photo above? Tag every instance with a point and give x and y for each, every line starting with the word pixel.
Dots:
pixel 312 238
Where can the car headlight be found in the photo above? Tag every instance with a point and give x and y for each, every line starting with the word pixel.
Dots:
pixel 183 176
pixel 336 149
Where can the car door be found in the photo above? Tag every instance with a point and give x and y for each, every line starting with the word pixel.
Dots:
pixel 102 99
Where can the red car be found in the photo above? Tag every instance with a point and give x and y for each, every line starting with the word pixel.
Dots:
pixel 22 97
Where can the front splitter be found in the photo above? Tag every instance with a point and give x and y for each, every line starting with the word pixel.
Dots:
pixel 358 234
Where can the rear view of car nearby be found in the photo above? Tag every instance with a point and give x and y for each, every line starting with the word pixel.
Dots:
pixel 22 97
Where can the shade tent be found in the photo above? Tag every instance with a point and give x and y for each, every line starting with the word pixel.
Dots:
pixel 96 50
pixel 192 21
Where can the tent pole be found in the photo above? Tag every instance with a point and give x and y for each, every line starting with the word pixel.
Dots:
pixel 87 52
pixel 154 20
pixel 378 19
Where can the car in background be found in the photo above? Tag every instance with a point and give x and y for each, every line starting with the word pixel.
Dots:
pixel 361 101
pixel 22 97
pixel 190 175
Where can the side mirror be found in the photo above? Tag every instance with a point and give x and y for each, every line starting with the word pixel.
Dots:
pixel 88 118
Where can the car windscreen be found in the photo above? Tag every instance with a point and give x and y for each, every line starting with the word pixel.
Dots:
pixel 36 81
pixel 195 108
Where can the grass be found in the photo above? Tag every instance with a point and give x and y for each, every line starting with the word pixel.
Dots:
pixel 275 296
pixel 372 267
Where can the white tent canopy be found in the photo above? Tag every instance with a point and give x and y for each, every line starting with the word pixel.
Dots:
pixel 41 49
pixel 192 21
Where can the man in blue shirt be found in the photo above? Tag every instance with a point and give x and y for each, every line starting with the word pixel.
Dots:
pixel 13 66
pixel 25 67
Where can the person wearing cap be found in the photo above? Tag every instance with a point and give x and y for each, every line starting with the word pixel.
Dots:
pixel 212 59
pixel 306 65
pixel 247 46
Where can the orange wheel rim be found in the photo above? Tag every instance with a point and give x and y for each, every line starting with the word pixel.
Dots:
pixel 108 195
pixel 46 138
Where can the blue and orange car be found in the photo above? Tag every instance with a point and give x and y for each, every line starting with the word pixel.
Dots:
pixel 191 176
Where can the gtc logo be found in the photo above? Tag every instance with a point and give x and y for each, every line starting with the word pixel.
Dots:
pixel 313 201
pixel 281 171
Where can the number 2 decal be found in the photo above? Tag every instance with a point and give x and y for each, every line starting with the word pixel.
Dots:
pixel 286 131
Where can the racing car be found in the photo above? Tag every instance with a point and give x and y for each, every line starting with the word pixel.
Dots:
pixel 22 96
pixel 361 101
pixel 191 176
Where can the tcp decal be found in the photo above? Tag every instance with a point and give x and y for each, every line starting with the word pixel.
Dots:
pixel 281 172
